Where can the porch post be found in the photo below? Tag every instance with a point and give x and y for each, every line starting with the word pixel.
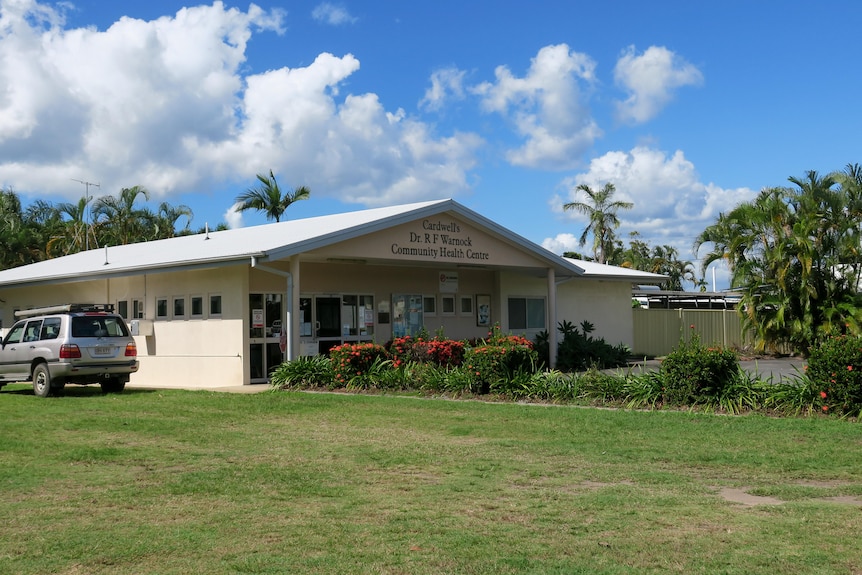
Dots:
pixel 552 318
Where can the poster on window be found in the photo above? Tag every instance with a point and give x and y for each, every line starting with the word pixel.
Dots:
pixel 483 310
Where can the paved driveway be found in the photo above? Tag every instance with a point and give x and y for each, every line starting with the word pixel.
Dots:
pixel 775 369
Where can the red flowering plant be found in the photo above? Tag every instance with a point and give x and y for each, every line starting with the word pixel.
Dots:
pixel 421 349
pixel 354 364
pixel 834 372
pixel 494 363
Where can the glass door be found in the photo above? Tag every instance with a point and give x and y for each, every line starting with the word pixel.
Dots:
pixel 327 322
pixel 266 314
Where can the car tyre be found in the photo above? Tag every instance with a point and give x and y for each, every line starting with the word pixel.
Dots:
pixel 113 385
pixel 41 380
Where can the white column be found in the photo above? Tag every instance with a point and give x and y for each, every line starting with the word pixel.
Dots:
pixel 552 318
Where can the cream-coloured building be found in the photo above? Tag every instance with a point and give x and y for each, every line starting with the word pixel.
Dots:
pixel 211 309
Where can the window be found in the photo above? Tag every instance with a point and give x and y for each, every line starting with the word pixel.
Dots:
pixel 526 313
pixel 137 309
pixel 429 305
pixel 179 307
pixel 447 304
pixel 466 305
pixel 215 305
pixel 162 308
pixel 123 309
pixel 197 305
pixel 50 328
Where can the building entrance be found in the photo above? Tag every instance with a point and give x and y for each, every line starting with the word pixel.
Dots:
pixel 328 320
pixel 265 326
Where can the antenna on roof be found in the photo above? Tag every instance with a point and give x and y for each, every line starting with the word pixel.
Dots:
pixel 207 228
pixel 106 255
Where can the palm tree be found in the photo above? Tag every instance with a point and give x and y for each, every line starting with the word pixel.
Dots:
pixel 795 254
pixel 20 239
pixel 602 213
pixel 76 234
pixel 120 221
pixel 267 197
pixel 167 217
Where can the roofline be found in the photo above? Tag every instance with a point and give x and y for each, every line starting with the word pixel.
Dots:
pixel 133 271
pixel 441 206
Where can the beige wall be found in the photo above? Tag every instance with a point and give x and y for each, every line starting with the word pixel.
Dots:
pixel 383 281
pixel 605 304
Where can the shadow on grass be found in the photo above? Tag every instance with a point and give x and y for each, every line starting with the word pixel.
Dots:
pixel 71 391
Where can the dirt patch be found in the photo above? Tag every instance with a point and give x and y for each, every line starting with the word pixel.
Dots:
pixel 741 496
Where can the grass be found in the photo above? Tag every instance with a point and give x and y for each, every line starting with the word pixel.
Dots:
pixel 173 482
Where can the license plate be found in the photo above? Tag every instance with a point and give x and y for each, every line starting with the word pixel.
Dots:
pixel 102 350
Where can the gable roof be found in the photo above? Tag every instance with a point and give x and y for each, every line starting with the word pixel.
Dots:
pixel 267 242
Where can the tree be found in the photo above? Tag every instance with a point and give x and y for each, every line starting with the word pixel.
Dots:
pixel 794 253
pixel 20 239
pixel 267 197
pixel 120 221
pixel 75 234
pixel 601 210
pixel 167 217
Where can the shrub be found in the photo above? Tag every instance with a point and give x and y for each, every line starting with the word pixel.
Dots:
pixel 577 350
pixel 303 373
pixel 693 373
pixel 353 364
pixel 439 351
pixel 835 372
pixel 496 363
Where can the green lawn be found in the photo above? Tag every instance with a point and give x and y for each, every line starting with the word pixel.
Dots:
pixel 200 482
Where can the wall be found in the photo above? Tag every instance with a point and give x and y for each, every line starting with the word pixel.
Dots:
pixel 605 304
pixel 383 281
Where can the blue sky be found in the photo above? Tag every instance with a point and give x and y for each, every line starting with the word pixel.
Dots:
pixel 687 107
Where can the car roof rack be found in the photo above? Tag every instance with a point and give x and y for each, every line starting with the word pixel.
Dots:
pixel 67 308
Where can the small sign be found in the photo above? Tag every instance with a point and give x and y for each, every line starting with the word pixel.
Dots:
pixel 257 318
pixel 448 282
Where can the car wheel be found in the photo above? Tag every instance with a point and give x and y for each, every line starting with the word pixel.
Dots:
pixel 113 385
pixel 41 380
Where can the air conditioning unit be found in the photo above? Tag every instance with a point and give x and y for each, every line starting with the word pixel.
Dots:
pixel 141 327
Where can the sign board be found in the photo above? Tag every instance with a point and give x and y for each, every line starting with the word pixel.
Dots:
pixel 448 282
pixel 256 318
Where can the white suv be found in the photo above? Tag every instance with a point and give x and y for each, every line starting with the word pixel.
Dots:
pixel 73 343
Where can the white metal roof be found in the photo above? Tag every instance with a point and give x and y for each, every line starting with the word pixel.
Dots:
pixel 603 271
pixel 266 243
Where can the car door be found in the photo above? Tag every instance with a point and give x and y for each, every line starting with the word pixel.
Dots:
pixel 12 353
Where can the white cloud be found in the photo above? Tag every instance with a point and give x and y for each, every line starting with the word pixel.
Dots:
pixel 233 217
pixel 546 107
pixel 671 205
pixel 332 14
pixel 446 84
pixel 562 243
pixel 169 104
pixel 651 80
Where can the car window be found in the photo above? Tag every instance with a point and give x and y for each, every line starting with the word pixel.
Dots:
pixel 34 327
pixel 50 328
pixel 15 334
pixel 102 326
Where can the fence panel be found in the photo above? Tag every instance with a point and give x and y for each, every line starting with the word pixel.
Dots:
pixel 658 331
